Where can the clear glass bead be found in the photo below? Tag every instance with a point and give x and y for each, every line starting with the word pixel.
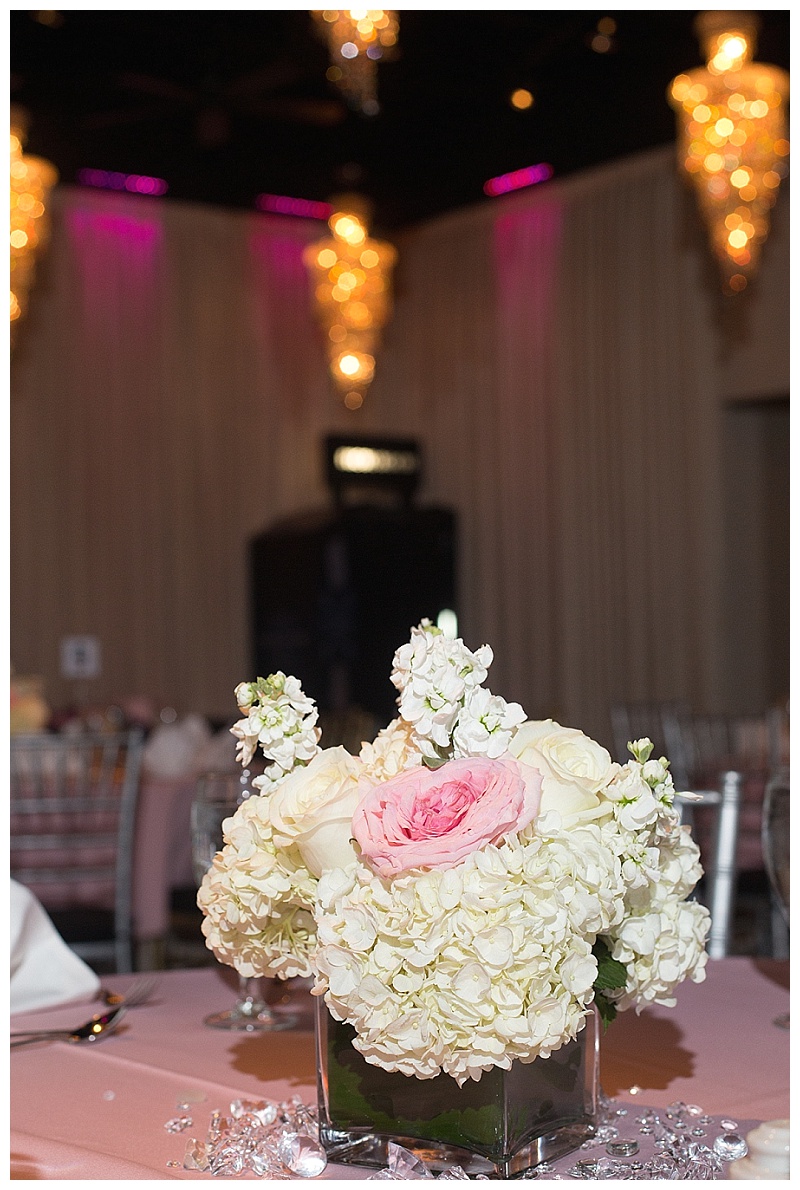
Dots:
pixel 729 1146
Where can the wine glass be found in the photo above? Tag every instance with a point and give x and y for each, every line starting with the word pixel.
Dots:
pixel 775 845
pixel 217 797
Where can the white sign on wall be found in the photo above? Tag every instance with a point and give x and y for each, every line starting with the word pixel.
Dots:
pixel 80 657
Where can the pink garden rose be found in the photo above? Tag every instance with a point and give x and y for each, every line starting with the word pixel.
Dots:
pixel 427 818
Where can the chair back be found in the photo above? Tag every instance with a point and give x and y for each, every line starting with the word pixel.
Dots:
pixel 701 746
pixel 779 738
pixel 634 720
pixel 73 811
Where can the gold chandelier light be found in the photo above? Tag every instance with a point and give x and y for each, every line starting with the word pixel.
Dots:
pixel 358 38
pixel 732 128
pixel 32 178
pixel 352 279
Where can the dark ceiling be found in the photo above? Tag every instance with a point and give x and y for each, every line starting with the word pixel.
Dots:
pixel 227 105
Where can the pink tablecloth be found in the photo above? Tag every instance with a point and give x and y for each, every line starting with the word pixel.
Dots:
pixel 95 1113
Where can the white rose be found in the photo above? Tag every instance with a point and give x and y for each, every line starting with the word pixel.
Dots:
pixel 574 768
pixel 313 807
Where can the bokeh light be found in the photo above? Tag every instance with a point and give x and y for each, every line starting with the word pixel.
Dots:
pixel 31 180
pixel 732 141
pixel 106 179
pixel 301 208
pixel 521 99
pixel 518 178
pixel 358 38
pixel 351 278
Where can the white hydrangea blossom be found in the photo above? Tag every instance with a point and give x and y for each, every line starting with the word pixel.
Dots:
pixel 470 967
pixel 257 899
pixel 279 717
pixel 660 949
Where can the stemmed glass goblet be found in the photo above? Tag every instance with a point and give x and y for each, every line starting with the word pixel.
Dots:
pixel 775 845
pixel 217 796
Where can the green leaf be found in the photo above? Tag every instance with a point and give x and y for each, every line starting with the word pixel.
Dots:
pixel 606 1008
pixel 610 972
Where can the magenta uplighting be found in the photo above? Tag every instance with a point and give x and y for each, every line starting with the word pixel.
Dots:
pixel 108 179
pixel 304 208
pixel 517 179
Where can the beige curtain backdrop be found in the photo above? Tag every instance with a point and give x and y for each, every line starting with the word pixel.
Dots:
pixel 560 354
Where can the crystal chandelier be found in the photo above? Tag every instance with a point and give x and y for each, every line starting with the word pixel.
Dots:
pixel 358 38
pixel 32 178
pixel 732 129
pixel 351 275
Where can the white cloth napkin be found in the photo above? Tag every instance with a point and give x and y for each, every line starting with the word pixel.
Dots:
pixel 44 971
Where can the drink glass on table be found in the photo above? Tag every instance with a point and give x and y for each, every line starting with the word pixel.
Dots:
pixel 217 797
pixel 775 845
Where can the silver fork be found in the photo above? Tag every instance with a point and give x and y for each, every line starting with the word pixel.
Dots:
pixel 139 991
pixel 92 1031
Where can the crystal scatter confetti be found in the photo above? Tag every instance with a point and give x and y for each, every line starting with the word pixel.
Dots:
pixel 678 1156
pixel 280 1141
pixel 302 1155
pixel 406 1166
pixel 730 1145
pixel 271 1140
pixel 622 1148
pixel 179 1124
pixel 261 1109
pixel 196 1156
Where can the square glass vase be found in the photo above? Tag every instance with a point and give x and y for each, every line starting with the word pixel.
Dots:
pixel 501 1126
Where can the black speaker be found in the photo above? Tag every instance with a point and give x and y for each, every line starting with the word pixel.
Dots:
pixel 334 594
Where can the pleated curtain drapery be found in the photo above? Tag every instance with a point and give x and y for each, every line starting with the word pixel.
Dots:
pixel 554 352
pixel 561 354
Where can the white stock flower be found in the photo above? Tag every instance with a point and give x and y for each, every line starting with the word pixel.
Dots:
pixel 279 717
pixel 248 741
pixel 429 650
pixel 635 806
pixel 655 772
pixel 434 674
pixel 485 724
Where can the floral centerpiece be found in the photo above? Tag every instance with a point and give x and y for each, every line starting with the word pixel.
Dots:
pixel 466 891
